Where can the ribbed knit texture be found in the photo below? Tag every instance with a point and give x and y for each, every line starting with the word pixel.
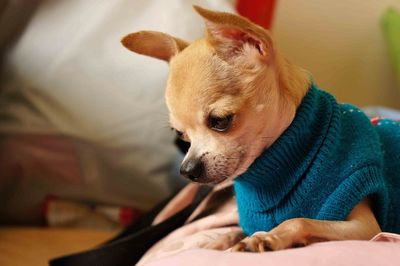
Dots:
pixel 325 163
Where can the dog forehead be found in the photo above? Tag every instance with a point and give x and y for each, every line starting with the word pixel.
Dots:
pixel 199 70
pixel 198 76
pixel 190 70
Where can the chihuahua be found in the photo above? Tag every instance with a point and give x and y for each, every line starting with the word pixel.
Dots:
pixel 233 96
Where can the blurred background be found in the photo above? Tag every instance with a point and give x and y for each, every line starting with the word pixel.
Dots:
pixel 85 146
pixel 84 135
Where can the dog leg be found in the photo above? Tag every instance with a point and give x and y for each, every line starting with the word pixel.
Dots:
pixel 360 225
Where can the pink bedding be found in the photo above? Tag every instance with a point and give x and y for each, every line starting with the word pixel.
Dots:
pixel 384 250
pixel 187 244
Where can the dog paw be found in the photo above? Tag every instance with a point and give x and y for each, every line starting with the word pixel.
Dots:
pixel 259 242
pixel 226 241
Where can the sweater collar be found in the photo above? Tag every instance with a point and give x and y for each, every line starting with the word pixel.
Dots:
pixel 278 170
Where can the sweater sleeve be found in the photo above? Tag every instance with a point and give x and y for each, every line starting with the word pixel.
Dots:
pixel 365 182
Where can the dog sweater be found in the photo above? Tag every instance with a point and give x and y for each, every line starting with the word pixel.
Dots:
pixel 328 160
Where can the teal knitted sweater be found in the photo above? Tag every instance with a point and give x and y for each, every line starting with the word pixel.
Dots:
pixel 324 164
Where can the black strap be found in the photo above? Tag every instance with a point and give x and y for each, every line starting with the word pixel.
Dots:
pixel 128 247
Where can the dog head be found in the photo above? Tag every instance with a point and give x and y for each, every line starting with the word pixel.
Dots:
pixel 230 94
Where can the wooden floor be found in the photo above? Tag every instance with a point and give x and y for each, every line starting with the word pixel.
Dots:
pixel 35 246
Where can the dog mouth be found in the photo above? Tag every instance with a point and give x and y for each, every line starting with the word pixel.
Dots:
pixel 226 172
pixel 211 181
pixel 217 178
pixel 208 179
pixel 213 169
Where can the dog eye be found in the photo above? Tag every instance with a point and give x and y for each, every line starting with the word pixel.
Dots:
pixel 220 124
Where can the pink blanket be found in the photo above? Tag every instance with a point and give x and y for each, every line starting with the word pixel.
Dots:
pixel 218 214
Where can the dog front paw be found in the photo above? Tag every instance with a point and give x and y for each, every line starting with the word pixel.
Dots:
pixel 226 241
pixel 260 242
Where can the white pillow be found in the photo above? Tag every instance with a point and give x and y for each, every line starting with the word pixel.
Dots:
pixel 69 64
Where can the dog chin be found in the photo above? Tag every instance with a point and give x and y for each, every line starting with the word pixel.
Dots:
pixel 210 181
pixel 229 178
pixel 221 180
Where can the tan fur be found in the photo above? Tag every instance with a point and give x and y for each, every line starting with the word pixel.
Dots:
pixel 236 69
pixel 153 43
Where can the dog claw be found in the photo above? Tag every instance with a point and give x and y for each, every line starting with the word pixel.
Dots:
pixel 264 246
pixel 258 243
pixel 252 244
pixel 241 246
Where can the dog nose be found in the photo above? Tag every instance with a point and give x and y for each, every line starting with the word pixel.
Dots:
pixel 192 169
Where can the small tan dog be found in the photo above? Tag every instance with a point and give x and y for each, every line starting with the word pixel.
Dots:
pixel 232 95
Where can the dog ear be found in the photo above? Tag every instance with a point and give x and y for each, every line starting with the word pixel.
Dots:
pixel 232 34
pixel 154 44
